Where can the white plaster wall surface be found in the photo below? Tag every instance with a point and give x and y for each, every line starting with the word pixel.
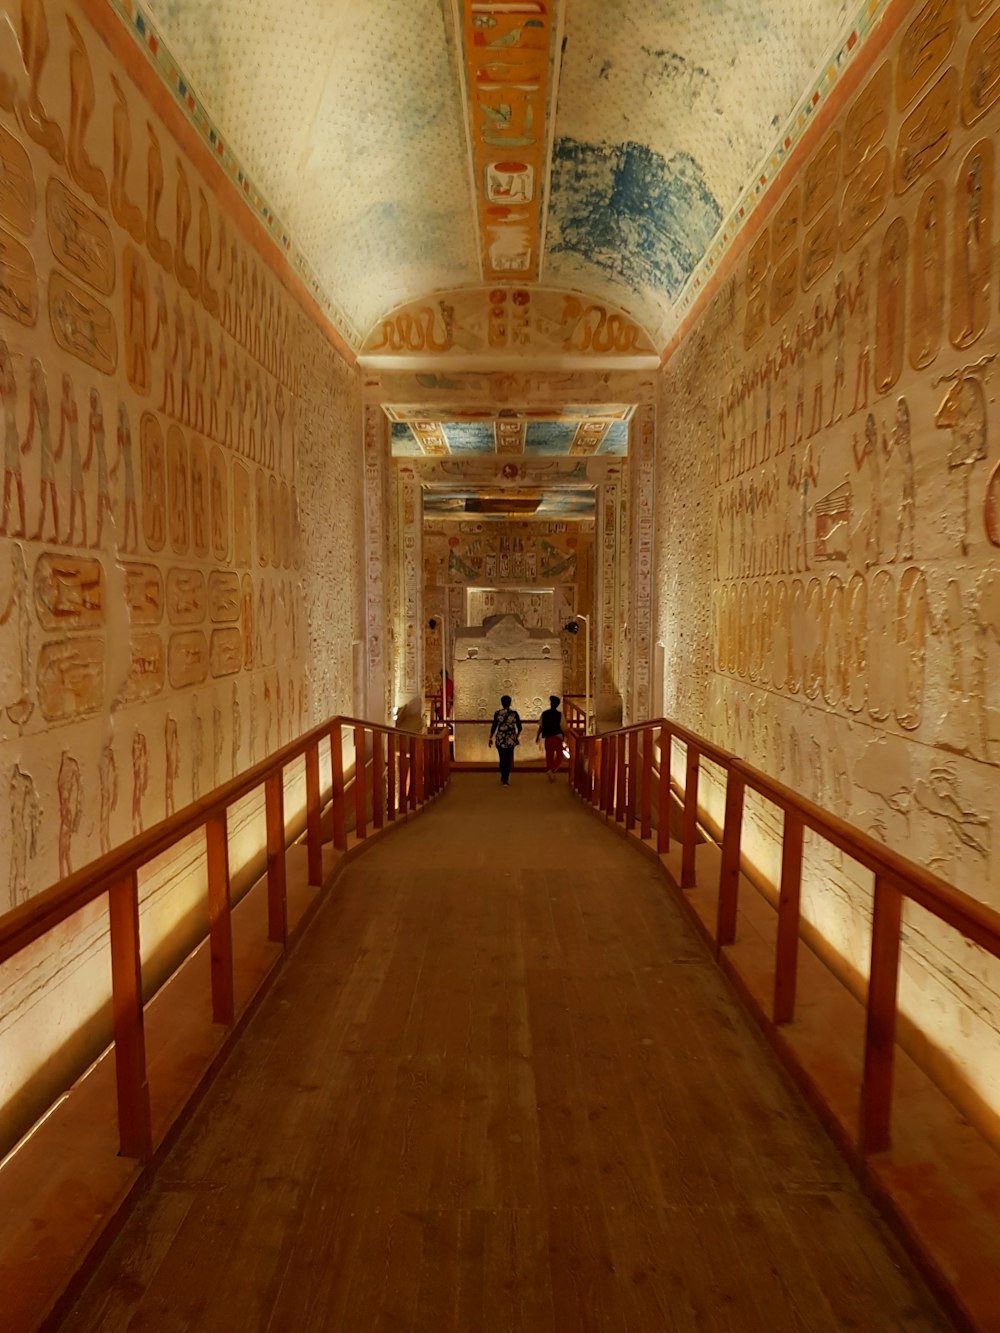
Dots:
pixel 350 119
pixel 835 407
pixel 502 657
pixel 159 390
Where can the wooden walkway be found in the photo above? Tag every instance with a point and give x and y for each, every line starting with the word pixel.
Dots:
pixel 501 1086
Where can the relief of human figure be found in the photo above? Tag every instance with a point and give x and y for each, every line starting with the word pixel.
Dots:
pixel 197 749
pixel 12 478
pixel 25 821
pixel 218 743
pixel 124 460
pixel 34 52
pixel 268 716
pixel 69 424
pixel 109 794
pixel 126 213
pixel 279 705
pixel 136 338
pixel 172 757
pixel 70 788
pixel 140 778
pixel 206 383
pixel 237 734
pixel 38 414
pixel 223 429
pixel 973 248
pixel 253 725
pixel 897 443
pixel 869 450
pixel 96 445
pixel 81 107
pixel 857 307
pixel 17 602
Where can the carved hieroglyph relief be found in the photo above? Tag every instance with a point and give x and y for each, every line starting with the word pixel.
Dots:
pixel 840 631
pixel 182 479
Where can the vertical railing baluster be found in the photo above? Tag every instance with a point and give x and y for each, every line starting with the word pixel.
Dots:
pixel 663 792
pixel 337 780
pixel 413 773
pixel 378 779
pixel 314 828
pixel 632 779
pixel 277 903
pixel 789 896
pixel 689 816
pixel 621 776
pixel 390 775
pixel 419 770
pixel 134 1120
pixel 880 1025
pixel 360 783
pixel 220 931
pixel 729 870
pixel 646 788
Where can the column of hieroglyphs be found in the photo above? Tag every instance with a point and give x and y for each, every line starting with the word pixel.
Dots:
pixel 161 395
pixel 856 587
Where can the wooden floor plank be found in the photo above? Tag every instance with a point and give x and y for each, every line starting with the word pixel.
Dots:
pixel 500 1086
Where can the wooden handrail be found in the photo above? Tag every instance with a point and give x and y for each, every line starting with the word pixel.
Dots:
pixel 117 875
pixel 29 921
pixel 606 774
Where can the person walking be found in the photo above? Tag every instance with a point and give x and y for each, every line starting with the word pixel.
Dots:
pixel 506 730
pixel 550 731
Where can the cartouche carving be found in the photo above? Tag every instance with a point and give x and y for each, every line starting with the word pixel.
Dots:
pixel 927 317
pixel 972 242
pixel 82 325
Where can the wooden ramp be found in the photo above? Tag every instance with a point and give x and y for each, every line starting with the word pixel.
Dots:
pixel 500 1085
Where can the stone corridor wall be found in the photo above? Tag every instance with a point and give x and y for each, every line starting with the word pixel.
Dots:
pixel 180 510
pixel 829 510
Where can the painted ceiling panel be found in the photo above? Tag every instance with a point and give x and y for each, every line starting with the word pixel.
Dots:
pixel 663 113
pixel 349 117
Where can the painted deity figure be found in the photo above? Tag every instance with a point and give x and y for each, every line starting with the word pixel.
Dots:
pixel 172 755
pixel 70 788
pixel 12 479
pixel 25 821
pixel 96 446
pixel 69 424
pixel 109 794
pixel 17 602
pixel 140 778
pixel 125 462
pixel 38 416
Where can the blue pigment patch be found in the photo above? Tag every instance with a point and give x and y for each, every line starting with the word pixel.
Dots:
pixel 615 439
pixel 404 442
pixel 549 437
pixel 469 437
pixel 635 214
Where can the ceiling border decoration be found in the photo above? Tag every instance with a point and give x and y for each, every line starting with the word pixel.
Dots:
pixel 146 36
pixel 868 16
pixel 509 57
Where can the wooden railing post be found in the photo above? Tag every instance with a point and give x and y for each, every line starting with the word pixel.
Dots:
pixel 663 793
pixel 360 783
pixel 134 1123
pixel 632 779
pixel 419 771
pixel 607 772
pixel 646 790
pixel 314 830
pixel 220 930
pixel 277 906
pixel 621 777
pixel 378 780
pixel 729 870
pixel 337 780
pixel 689 817
pixel 786 955
pixel 880 1026
pixel 412 765
pixel 597 758
pixel 390 775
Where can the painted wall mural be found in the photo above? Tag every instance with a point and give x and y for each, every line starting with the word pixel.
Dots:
pixel 173 425
pixel 841 492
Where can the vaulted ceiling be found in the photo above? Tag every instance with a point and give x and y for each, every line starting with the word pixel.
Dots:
pixel 453 174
